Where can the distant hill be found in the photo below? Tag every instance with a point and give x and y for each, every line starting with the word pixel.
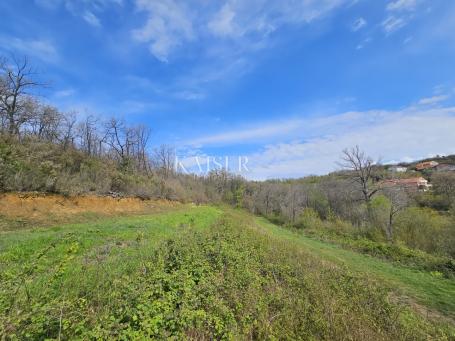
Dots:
pixel 449 159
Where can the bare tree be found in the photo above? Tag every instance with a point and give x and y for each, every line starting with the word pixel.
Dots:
pixel 361 170
pixel 294 199
pixel 67 129
pixel 17 80
pixel 399 200
pixel 142 136
pixel 3 93
pixel 263 198
pixel 164 159
pixel 45 122
pixel 89 137
pixel 116 137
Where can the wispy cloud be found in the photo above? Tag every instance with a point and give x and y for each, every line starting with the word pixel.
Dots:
pixel 40 48
pixel 292 128
pixel 248 134
pixel 64 93
pixel 400 13
pixel 222 24
pixel 392 24
pixel 402 5
pixel 168 26
pixel 313 145
pixel 171 91
pixel 241 18
pixel 433 99
pixel 219 40
pixel 189 95
pixel 87 10
pixel 75 4
pixel 358 24
pixel 404 135
pixel 137 106
pixel 92 19
pixel 171 24
pixel 363 43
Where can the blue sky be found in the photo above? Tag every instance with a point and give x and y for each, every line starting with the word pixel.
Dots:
pixel 287 84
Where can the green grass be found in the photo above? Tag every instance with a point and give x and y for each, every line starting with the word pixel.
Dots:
pixel 194 273
pixel 429 290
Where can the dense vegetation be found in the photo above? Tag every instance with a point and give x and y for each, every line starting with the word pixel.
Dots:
pixel 197 273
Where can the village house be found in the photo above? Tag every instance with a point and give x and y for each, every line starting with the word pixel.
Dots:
pixel 426 165
pixel 397 169
pixel 414 184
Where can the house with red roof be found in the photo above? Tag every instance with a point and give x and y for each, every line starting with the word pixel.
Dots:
pixel 415 184
pixel 426 165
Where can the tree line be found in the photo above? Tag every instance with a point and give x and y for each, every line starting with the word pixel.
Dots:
pixel 23 115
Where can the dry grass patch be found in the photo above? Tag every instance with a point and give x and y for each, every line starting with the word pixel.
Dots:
pixel 23 210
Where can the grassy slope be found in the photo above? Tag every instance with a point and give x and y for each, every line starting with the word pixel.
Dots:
pixel 37 254
pixel 168 274
pixel 58 264
pixel 434 292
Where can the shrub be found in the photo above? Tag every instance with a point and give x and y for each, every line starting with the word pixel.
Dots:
pixel 309 219
pixel 424 229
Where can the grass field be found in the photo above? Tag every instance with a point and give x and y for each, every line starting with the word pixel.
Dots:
pixel 430 290
pixel 201 272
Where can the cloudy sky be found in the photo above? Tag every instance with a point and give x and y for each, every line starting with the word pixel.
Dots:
pixel 287 84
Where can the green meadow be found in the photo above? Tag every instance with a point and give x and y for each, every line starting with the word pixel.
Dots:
pixel 204 273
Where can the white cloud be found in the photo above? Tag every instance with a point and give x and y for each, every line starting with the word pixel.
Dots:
pixel 172 91
pixel 64 93
pixel 288 129
pixel 313 145
pixel 136 106
pixel 402 5
pixel 400 14
pixel 91 18
pixel 392 24
pixel 40 48
pixel 363 43
pixel 168 26
pixel 85 9
pixel 238 18
pixel 222 23
pixel 171 23
pixel 189 95
pixel 74 4
pixel 407 40
pixel 405 135
pixel 433 100
pixel 358 24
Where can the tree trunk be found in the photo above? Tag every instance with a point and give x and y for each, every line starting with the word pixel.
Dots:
pixel 389 229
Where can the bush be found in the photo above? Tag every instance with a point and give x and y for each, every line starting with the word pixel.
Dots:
pixel 424 229
pixel 309 219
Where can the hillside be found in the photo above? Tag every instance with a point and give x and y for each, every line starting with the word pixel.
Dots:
pixel 204 272
pixel 448 159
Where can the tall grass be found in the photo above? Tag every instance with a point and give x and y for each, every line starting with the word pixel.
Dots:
pixel 170 276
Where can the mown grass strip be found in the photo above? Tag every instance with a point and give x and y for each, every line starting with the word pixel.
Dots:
pixel 433 292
